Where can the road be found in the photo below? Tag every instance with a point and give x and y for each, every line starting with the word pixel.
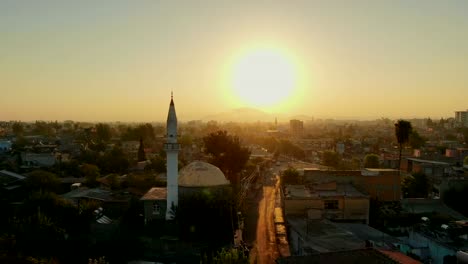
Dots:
pixel 266 250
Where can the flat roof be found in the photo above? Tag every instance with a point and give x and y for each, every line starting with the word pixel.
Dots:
pixel 96 194
pixel 303 191
pixel 322 236
pixel 422 205
pixel 374 169
pixel 358 256
pixel 297 191
pixel 12 174
pixel 365 232
pixel 428 161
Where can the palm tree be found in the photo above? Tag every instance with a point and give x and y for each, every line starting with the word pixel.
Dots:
pixel 402 132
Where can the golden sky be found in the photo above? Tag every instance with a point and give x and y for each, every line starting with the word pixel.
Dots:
pixel 119 60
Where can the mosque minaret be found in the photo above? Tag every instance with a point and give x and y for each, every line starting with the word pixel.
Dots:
pixel 172 152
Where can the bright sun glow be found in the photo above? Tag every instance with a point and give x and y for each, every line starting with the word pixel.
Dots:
pixel 263 77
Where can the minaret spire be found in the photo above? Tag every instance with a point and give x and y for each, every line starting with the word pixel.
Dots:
pixel 172 156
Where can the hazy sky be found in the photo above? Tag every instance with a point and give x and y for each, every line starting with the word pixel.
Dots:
pixel 119 60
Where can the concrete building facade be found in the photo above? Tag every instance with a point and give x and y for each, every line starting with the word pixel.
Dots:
pixel 326 201
pixel 380 184
pixel 461 118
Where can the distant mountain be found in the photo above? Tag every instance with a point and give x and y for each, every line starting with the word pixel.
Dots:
pixel 302 117
pixel 247 114
pixel 244 114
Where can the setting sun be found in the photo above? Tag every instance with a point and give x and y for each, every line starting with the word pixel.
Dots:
pixel 263 77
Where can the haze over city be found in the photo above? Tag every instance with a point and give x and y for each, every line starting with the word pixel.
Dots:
pixel 119 61
pixel 220 131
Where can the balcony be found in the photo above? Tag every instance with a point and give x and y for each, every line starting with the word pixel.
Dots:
pixel 171 147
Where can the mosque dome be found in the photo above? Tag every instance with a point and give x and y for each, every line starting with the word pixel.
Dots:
pixel 201 174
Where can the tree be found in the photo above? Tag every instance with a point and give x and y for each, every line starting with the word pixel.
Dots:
pixel 416 140
pixel 402 131
pixel 114 162
pixel 144 131
pixel 17 128
pixel 331 159
pixel 158 164
pixel 40 180
pixel 91 174
pixel 103 132
pixel 288 148
pixel 290 176
pixel 415 186
pixel 456 197
pixel 114 181
pixel 429 123
pixel 42 128
pixel 141 151
pixel 198 214
pixel 371 161
pixel 227 153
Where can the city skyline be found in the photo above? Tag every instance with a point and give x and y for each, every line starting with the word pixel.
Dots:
pixel 91 61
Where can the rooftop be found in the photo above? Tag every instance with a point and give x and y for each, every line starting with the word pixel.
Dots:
pixel 155 193
pixel 201 174
pixel 96 194
pixel 429 161
pixel 13 175
pixel 316 191
pixel 400 257
pixel 321 236
pixel 357 256
pixel 366 232
pixel 421 205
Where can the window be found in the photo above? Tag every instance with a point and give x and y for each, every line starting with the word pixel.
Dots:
pixel 156 208
pixel 331 204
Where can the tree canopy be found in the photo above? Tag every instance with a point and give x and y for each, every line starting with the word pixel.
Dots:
pixel 103 132
pixel 144 131
pixel 141 151
pixel 331 158
pixel 226 152
pixel 91 174
pixel 18 128
pixel 416 140
pixel 290 176
pixel 415 186
pixel 40 180
pixel 371 161
pixel 403 130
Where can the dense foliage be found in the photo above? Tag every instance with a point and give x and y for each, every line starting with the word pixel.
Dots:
pixel 371 161
pixel 227 153
pixel 415 186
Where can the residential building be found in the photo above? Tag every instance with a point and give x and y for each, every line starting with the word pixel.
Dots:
pixel 436 171
pixel 37 160
pixel 461 118
pixel 363 256
pixel 154 203
pixel 296 127
pixel 327 200
pixel 380 184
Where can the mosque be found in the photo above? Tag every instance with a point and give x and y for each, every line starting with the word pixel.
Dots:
pixel 196 177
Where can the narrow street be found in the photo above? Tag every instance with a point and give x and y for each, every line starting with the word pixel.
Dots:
pixel 266 250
